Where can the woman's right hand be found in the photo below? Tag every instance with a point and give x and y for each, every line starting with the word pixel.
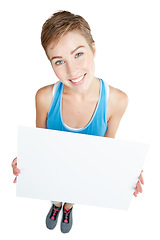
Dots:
pixel 16 171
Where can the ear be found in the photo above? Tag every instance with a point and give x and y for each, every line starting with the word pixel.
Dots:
pixel 94 48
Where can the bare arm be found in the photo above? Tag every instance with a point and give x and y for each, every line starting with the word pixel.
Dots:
pixel 41 113
pixel 117 104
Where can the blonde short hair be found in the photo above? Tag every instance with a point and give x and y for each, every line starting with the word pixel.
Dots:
pixel 62 22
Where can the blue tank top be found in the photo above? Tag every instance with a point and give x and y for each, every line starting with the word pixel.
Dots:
pixel 98 123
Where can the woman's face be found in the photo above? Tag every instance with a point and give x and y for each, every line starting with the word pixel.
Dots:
pixel 72 60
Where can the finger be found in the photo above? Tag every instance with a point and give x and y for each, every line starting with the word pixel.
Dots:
pixel 14 162
pixel 135 194
pixel 136 191
pixel 16 170
pixel 141 179
pixel 139 187
pixel 15 180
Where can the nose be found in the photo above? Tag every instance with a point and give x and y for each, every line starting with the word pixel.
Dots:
pixel 71 69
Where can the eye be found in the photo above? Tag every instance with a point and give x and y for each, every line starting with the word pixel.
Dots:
pixel 79 54
pixel 59 62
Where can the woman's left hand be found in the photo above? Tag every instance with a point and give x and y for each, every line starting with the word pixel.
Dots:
pixel 138 188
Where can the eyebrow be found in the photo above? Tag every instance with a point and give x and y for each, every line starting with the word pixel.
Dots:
pixel 77 49
pixel 71 52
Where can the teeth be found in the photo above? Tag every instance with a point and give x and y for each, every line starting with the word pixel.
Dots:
pixel 77 80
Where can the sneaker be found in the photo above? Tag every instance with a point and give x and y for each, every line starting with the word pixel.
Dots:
pixel 52 217
pixel 66 223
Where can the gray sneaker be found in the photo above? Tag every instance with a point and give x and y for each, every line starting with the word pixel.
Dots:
pixel 52 217
pixel 66 223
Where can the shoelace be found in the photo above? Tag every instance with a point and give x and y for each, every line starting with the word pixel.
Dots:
pixel 54 214
pixel 66 216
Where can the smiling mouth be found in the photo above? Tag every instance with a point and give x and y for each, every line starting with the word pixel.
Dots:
pixel 78 80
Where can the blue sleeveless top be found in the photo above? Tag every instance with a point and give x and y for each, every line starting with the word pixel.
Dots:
pixel 98 123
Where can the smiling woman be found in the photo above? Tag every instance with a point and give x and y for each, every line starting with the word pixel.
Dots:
pixel 79 102
pixel 72 60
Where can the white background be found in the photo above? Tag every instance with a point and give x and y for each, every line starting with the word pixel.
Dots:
pixel 127 38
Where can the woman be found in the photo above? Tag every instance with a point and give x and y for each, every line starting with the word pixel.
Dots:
pixel 79 102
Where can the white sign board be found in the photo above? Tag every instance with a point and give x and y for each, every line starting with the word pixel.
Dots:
pixel 78 168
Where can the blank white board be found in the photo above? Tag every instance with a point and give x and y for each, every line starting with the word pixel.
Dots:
pixel 78 168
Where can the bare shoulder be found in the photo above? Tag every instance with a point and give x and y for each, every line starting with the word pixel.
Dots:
pixel 116 106
pixel 117 101
pixel 117 96
pixel 44 96
pixel 42 92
